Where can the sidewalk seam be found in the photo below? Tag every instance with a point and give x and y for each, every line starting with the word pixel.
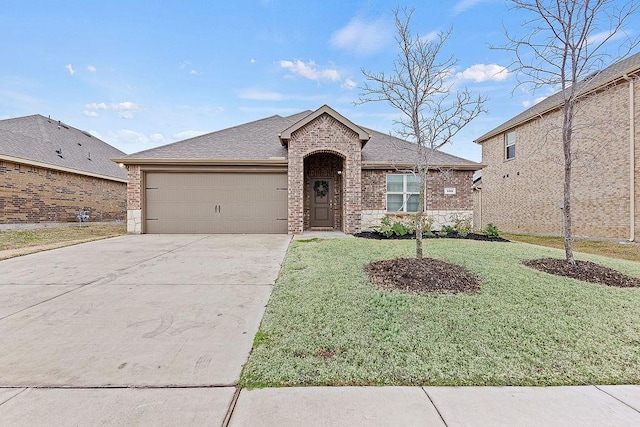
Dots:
pixel 434 406
pixel 14 396
pixel 621 401
pixel 232 407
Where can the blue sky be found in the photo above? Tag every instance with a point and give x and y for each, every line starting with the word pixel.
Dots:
pixel 139 74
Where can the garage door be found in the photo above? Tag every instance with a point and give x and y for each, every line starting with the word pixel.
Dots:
pixel 216 202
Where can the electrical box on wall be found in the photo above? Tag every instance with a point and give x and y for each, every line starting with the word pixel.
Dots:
pixel 450 191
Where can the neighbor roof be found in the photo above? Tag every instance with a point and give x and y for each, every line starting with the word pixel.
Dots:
pixel 45 142
pixel 604 77
pixel 259 141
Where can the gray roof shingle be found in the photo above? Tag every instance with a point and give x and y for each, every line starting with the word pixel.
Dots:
pixel 259 140
pixel 608 75
pixel 38 139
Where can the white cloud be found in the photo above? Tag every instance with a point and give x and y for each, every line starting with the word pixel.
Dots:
pixel 156 139
pixel 91 68
pixel 429 37
pixel 349 84
pixel 464 5
pixel 188 134
pixel 70 69
pixel 130 137
pixel 310 71
pixel 363 37
pixel 252 61
pixel 484 72
pixel 598 38
pixel 194 73
pixel 125 109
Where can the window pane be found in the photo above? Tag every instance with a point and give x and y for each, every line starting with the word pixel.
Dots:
pixel 412 203
pixel 413 184
pixel 394 202
pixel 511 152
pixel 394 183
pixel 510 138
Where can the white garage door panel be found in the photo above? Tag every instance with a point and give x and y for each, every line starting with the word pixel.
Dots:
pixel 216 202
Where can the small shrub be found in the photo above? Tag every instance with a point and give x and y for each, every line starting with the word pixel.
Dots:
pixel 447 229
pixel 388 229
pixel 399 229
pixel 385 228
pixel 491 231
pixel 462 224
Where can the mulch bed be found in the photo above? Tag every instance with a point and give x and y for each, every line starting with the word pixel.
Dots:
pixel 584 270
pixel 421 276
pixel 470 236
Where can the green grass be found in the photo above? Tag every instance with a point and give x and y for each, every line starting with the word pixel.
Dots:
pixel 625 250
pixel 325 324
pixel 18 239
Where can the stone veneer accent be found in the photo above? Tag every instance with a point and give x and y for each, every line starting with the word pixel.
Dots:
pixel 134 200
pixel 372 217
pixel 524 194
pixel 325 135
pixel 31 194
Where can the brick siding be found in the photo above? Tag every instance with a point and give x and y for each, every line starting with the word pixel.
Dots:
pixel 325 135
pixel 524 194
pixel 374 189
pixel 30 194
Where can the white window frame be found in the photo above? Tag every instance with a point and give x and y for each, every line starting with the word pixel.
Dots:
pixel 405 194
pixel 509 142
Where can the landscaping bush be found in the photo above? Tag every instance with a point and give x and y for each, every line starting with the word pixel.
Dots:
pixel 491 231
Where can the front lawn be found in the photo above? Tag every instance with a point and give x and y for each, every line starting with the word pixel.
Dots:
pixel 326 324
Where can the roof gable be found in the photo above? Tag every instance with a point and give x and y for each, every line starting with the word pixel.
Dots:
pixel 285 135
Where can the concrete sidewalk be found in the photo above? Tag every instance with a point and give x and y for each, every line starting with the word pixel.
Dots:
pixel 439 406
pixel 325 406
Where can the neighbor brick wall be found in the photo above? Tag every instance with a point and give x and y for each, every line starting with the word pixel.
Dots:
pixel 325 134
pixel 523 194
pixel 30 194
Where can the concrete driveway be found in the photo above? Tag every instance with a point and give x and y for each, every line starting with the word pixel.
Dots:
pixel 114 323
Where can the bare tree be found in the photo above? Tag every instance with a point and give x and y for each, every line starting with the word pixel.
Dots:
pixel 563 48
pixel 421 89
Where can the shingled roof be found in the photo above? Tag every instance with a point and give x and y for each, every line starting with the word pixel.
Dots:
pixel 609 75
pixel 45 142
pixel 259 141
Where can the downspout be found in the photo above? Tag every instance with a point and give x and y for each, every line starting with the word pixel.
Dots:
pixel 632 160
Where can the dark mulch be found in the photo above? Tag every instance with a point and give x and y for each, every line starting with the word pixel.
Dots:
pixel 584 270
pixel 470 236
pixel 421 276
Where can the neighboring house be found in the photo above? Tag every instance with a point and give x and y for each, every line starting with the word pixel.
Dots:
pixel 521 189
pixel 312 170
pixel 50 172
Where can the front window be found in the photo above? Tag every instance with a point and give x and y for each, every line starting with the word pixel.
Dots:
pixel 510 145
pixel 403 193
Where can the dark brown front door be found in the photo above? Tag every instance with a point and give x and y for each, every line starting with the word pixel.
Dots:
pixel 321 202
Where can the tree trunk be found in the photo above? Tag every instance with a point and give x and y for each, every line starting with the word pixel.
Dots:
pixel 422 173
pixel 566 145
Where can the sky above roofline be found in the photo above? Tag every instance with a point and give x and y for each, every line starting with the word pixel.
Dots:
pixel 147 73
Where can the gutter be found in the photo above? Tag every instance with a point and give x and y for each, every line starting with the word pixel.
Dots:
pixel 632 159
